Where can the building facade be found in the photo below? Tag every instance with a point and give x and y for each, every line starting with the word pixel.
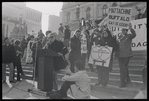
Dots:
pixel 54 22
pixel 73 12
pixel 19 20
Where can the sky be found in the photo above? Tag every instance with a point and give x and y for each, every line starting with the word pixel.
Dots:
pixel 47 8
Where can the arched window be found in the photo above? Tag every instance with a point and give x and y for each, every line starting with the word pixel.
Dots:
pixel 68 16
pixel 104 10
pixel 88 13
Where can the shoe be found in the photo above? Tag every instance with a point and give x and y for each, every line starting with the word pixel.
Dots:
pixel 122 86
pixel 104 85
pixel 143 88
pixel 97 83
pixel 23 76
pixel 12 81
pixel 18 80
pixel 128 81
pixel 4 81
pixel 64 95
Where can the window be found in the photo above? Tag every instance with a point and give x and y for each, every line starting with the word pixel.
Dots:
pixel 88 10
pixel 78 14
pixel 104 10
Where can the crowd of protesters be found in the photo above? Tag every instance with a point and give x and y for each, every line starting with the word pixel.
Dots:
pixel 15 51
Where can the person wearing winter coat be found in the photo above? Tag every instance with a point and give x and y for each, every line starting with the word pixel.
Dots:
pixel 124 54
pixel 8 56
pixel 59 61
pixel 78 82
pixel 17 62
pixel 103 72
pixel 75 46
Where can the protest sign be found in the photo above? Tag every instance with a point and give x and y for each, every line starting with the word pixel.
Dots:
pixel 100 55
pixel 140 41
pixel 83 44
pixel 119 17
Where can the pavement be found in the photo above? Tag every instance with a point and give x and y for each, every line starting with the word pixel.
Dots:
pixel 19 90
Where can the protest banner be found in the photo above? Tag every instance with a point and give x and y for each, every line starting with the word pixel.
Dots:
pixel 140 27
pixel 83 44
pixel 119 17
pixel 100 55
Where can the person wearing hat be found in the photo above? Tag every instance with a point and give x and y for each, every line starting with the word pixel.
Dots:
pixel 124 54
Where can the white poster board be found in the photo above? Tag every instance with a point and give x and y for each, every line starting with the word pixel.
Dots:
pixel 119 17
pixel 100 54
pixel 140 27
pixel 83 44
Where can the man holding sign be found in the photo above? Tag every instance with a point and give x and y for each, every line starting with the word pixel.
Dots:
pixel 124 54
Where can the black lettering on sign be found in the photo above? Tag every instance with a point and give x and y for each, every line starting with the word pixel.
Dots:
pixel 139 25
pixel 133 45
pixel 124 18
pixel 144 43
pixel 123 24
pixel 139 44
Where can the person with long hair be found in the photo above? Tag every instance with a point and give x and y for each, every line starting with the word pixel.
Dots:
pixel 75 46
pixel 107 40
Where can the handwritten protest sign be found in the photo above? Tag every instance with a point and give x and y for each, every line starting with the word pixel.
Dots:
pixel 100 55
pixel 119 17
pixel 83 44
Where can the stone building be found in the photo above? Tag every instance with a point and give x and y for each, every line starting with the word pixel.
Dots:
pixel 19 20
pixel 73 12
pixel 54 23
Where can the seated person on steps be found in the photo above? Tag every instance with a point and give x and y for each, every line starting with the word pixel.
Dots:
pixel 78 82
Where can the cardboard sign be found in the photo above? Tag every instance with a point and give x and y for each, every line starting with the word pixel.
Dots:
pixel 83 44
pixel 100 55
pixel 119 17
pixel 140 27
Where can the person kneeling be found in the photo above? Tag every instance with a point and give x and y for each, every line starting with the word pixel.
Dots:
pixel 78 82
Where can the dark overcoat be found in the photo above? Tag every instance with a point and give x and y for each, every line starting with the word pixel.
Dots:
pixel 75 53
pixel 59 61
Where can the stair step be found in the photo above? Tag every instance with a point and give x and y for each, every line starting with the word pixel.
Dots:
pixel 112 81
pixel 128 91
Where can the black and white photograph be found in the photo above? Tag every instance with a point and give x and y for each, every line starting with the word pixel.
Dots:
pixel 74 50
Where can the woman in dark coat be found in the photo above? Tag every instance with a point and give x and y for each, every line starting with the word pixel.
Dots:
pixel 75 45
pixel 103 72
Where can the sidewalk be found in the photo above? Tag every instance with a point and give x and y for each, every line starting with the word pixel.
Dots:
pixel 19 90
